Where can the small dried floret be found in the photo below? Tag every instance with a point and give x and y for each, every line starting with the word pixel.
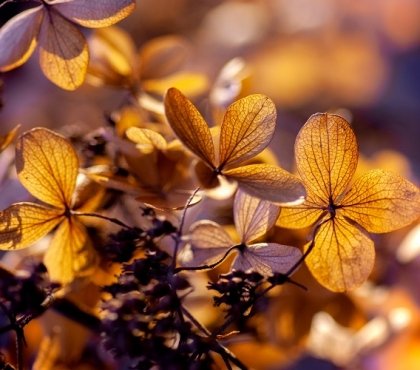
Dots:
pixel 238 291
pixel 122 245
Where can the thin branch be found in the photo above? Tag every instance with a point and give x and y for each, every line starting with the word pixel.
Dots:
pixel 97 215
pixel 190 199
pixel 271 286
pixel 299 285
pixel 226 361
pixel 226 353
pixel 181 226
pixel 197 324
pixel 205 267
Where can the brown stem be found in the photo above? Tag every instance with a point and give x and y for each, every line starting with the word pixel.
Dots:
pixel 97 215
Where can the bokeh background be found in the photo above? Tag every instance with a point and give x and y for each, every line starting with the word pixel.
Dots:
pixel 355 57
pixel 307 55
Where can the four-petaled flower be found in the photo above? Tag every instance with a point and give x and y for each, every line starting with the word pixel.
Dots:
pixel 247 129
pixel 253 217
pixel 326 157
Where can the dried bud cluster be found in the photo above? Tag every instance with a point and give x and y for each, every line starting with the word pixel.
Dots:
pixel 143 321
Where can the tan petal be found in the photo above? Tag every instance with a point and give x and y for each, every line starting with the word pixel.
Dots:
pixel 70 255
pixel 47 166
pixel 112 57
pixel 146 140
pixel 247 129
pixel 268 182
pixel 18 38
pixel 229 83
pixel 253 216
pixel 208 242
pixel 343 256
pixel 191 84
pixel 267 258
pixel 162 56
pixel 7 139
pixel 209 234
pixel 22 224
pixel 94 14
pixel 189 125
pixel 88 195
pixel 63 52
pixel 300 216
pixel 326 155
pixel 381 201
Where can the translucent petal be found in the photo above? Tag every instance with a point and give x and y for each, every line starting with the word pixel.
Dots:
pixel 268 182
pixel 381 201
pixel 18 38
pixel 189 125
pixel 267 258
pixel 22 224
pixel 247 128
pixel 94 14
pixel 342 257
pixel 69 254
pixel 253 216
pixel 112 57
pixel 146 140
pixel 300 216
pixel 209 234
pixel 47 166
pixel 63 52
pixel 88 195
pixel 208 242
pixel 326 155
